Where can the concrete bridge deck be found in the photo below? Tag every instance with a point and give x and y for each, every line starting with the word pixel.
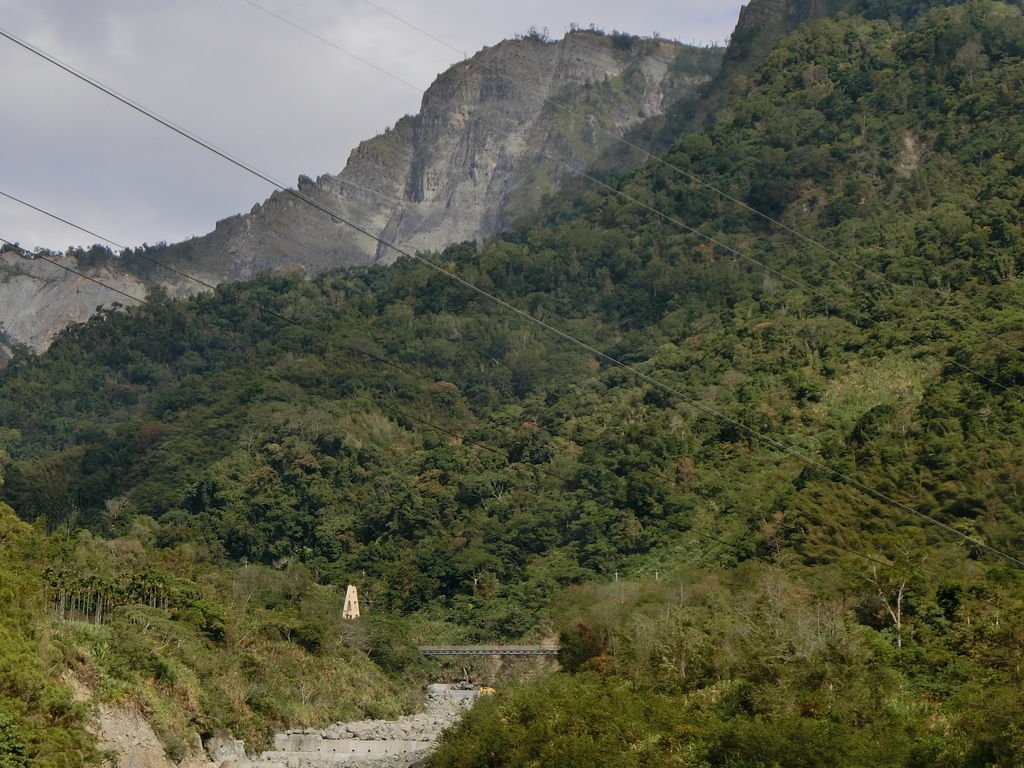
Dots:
pixel 489 650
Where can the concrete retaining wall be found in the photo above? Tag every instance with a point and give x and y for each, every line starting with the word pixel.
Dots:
pixel 341 751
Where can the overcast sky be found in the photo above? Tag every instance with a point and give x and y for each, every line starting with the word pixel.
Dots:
pixel 244 80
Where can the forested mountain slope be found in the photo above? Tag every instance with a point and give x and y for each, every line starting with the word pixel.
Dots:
pixel 763 23
pixel 389 426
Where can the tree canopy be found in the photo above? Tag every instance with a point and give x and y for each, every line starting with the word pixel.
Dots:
pixel 391 427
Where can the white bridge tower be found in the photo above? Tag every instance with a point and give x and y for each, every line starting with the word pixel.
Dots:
pixel 351 609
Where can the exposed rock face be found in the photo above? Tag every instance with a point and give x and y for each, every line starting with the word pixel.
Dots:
pixel 488 143
pixel 129 739
pixel 37 299
pixel 226 751
pixel 129 736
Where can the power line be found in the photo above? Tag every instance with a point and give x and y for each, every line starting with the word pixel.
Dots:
pixel 412 26
pixel 398 413
pixel 48 260
pixel 564 335
pixel 689 175
pixel 669 218
pixel 332 44
pixel 54 216
pixel 351 349
pixel 717 242
pixel 137 254
pixel 176 271
pixel 576 171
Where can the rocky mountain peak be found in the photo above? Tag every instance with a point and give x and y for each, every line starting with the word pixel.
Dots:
pixel 495 134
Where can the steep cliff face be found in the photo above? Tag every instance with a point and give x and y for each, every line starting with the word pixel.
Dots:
pixel 38 299
pixel 494 134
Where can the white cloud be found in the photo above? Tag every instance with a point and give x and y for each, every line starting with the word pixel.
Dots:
pixel 245 81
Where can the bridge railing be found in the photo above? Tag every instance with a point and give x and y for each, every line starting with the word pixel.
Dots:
pixel 489 650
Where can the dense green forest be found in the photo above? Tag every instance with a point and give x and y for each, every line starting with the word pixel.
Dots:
pixel 712 540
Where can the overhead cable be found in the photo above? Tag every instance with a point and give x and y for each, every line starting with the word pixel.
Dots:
pixel 669 218
pixel 398 413
pixel 564 335
pixel 698 180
